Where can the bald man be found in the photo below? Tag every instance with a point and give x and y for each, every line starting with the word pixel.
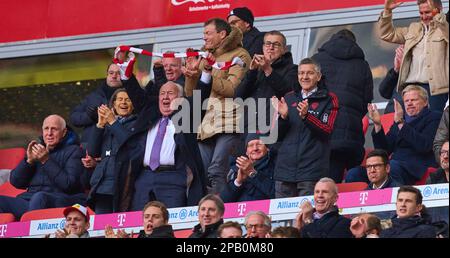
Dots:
pixel 50 171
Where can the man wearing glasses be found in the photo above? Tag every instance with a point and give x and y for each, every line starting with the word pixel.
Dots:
pixel 242 18
pixel 378 169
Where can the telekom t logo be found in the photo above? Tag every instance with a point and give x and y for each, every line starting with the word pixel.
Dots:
pixel 241 208
pixel 363 197
pixel 3 230
pixel 121 218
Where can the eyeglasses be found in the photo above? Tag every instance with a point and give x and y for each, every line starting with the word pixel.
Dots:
pixel 374 166
pixel 444 152
pixel 257 226
pixel 274 44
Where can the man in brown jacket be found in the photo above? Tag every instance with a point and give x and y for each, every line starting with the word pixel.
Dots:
pixel 218 130
pixel 425 59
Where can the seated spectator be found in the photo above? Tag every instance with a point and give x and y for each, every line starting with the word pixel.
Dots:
pixel 77 223
pixel 50 171
pixel 285 232
pixel 408 223
pixel 114 124
pixel 85 114
pixel 441 175
pixel 258 225
pixel 388 87
pixel 210 217
pixel 365 225
pixel 252 176
pixel 378 169
pixel 410 138
pixel 324 220
pixel 156 221
pixel 305 124
pixel 229 229
pixel 441 134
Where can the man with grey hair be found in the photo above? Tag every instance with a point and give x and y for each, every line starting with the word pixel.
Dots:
pixel 50 172
pixel 409 140
pixel 258 224
pixel 323 221
pixel 305 124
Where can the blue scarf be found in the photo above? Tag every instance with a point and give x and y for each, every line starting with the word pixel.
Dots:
pixel 409 119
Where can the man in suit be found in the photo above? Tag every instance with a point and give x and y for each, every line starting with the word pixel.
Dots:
pixel 159 161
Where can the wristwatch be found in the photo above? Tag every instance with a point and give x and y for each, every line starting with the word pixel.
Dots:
pixel 252 174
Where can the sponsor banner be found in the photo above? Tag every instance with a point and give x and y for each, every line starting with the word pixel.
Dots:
pixel 429 192
pixel 364 198
pixel 288 205
pixel 184 214
pixel 15 229
pixel 240 209
pixel 50 19
pixel 118 220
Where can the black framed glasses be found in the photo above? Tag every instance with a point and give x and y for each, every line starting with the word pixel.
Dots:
pixel 274 44
pixel 375 166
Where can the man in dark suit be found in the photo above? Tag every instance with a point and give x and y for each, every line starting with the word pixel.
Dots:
pixel 160 160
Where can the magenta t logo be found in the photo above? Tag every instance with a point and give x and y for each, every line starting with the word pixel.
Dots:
pixel 121 219
pixel 3 230
pixel 363 197
pixel 241 208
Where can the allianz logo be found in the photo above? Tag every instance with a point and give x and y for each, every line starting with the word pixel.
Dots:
pixel 51 226
pixel 429 191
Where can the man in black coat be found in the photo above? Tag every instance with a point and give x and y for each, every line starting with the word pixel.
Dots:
pixel 50 172
pixel 271 74
pixel 323 221
pixel 348 75
pixel 178 167
pixel 243 19
pixel 252 177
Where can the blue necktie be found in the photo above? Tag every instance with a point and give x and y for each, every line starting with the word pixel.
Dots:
pixel 156 149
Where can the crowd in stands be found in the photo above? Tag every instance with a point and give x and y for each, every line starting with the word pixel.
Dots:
pixel 148 148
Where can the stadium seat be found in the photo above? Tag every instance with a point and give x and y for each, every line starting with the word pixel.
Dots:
pixel 50 213
pixel 423 180
pixel 351 187
pixel 9 158
pixel 6 218
pixel 185 233
pixel 387 120
pixel 7 189
pixel 365 124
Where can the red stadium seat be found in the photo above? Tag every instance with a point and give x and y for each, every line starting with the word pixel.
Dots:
pixel 50 213
pixel 10 158
pixel 423 180
pixel 351 187
pixel 185 233
pixel 6 218
pixel 387 120
pixel 7 189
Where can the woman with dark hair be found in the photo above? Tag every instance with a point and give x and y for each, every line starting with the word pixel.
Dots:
pixel 114 123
